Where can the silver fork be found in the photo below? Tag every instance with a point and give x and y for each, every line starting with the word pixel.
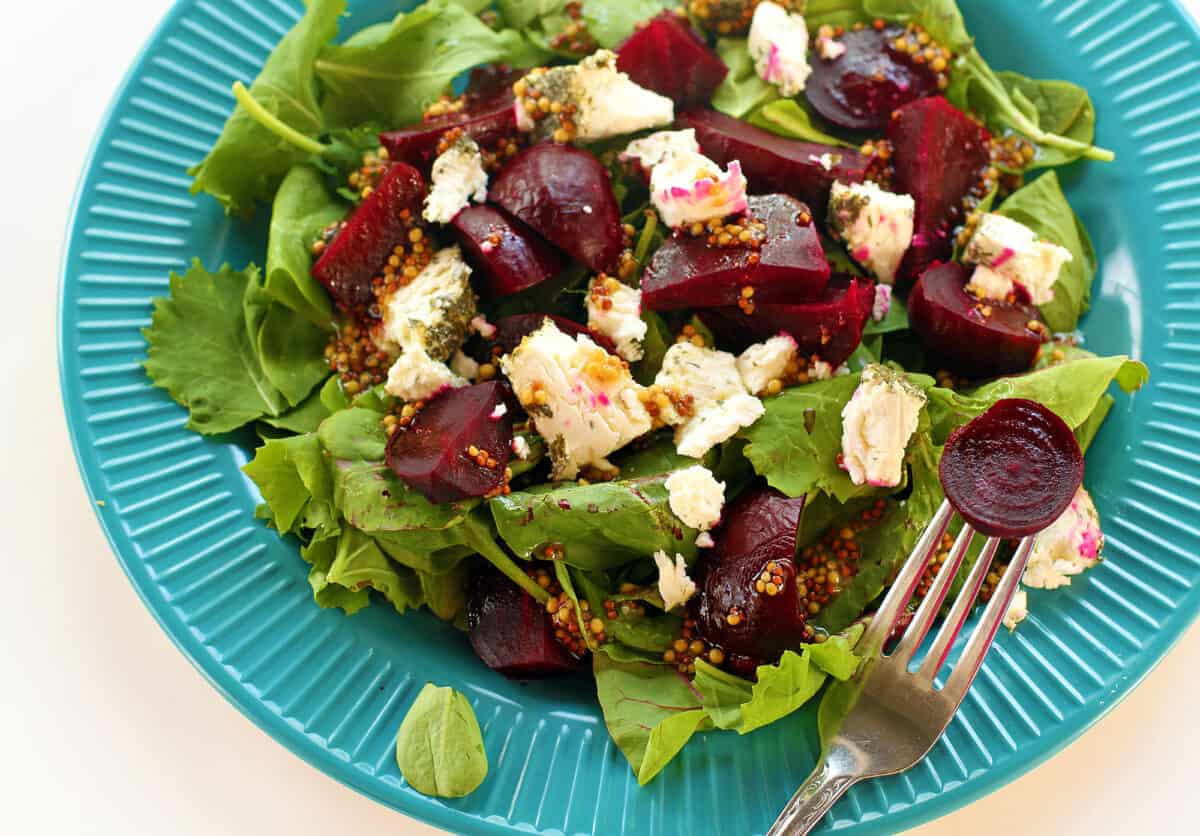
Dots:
pixel 897 716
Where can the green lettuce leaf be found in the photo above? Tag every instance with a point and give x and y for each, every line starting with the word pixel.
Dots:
pixel 354 434
pixel 439 747
pixel 1085 433
pixel 303 418
pixel 248 161
pixel 1042 206
pixel 293 477
pixel 290 348
pixel 302 208
pixel 320 554
pixel 787 118
pixel 742 90
pixel 360 564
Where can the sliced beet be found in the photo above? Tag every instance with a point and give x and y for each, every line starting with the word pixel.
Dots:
pixel 359 251
pixel 430 454
pixel 1013 470
pixel 564 193
pixel 511 632
pixel 939 155
pixel 774 163
pixel 491 83
pixel 753 627
pixel 487 117
pixel 505 253
pixel 968 336
pixel 510 330
pixel 686 272
pixel 859 89
pixel 669 57
pixel 830 327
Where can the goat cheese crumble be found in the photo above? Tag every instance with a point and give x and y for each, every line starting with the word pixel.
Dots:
pixel 689 188
pixel 1008 255
pixel 674 584
pixel 778 43
pixel 696 497
pixel 433 312
pixel 651 150
pixel 615 310
pixel 877 423
pixel 415 376
pixel 458 178
pixel 718 403
pixel 876 225
pixel 763 362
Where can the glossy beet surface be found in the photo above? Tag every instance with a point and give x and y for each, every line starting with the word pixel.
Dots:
pixel 830 327
pixel 430 454
pixel 686 272
pixel 505 253
pixel 938 157
pixel 1013 470
pixel 758 529
pixel 565 195
pixel 510 330
pixel 511 632
pixel 487 117
pixel 669 57
pixel 860 89
pixel 950 324
pixel 774 163
pixel 359 251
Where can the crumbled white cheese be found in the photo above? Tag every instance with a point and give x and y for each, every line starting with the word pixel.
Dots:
pixel 689 188
pixel 520 447
pixel 651 150
pixel 1017 610
pixel 482 327
pixel 433 312
pixel 615 310
pixel 763 362
pixel 720 403
pixel 415 376
pixel 674 585
pixel 704 540
pixel 582 400
pixel 827 161
pixel 778 43
pixel 876 225
pixel 1069 546
pixel 498 411
pixel 830 49
pixel 458 178
pixel 883 302
pixel 820 370
pixel 696 497
pixel 1013 257
pixel 877 423
pixel 464 366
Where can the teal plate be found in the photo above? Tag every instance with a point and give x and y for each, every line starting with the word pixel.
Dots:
pixel 333 689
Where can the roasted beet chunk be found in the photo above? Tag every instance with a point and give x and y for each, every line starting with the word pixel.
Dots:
pixel 359 251
pixel 432 454
pixel 505 253
pixel 973 337
pixel 565 195
pixel 859 89
pixel 830 327
pixel 774 163
pixel 688 272
pixel 487 117
pixel 669 57
pixel 512 329
pixel 1013 470
pixel 749 602
pixel 939 156
pixel 511 632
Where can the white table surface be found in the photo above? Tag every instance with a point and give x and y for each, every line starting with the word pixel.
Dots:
pixel 109 730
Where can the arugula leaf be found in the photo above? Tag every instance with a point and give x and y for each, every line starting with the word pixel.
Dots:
pixel 202 351
pixel 651 711
pixel 597 526
pixel 248 160
pixel 1042 206
pixel 787 118
pixel 742 90
pixel 302 208
pixel 390 76
pixel 320 554
pixel 439 747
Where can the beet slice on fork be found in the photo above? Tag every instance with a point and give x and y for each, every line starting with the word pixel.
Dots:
pixel 669 57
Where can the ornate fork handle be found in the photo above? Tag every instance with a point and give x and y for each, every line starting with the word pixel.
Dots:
pixel 835 774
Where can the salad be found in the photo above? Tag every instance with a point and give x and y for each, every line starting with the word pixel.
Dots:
pixel 625 337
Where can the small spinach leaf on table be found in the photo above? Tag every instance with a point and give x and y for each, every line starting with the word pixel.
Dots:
pixel 439 747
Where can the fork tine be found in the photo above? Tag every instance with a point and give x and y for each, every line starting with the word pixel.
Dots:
pixel 977 646
pixel 938 651
pixel 906 582
pixel 927 612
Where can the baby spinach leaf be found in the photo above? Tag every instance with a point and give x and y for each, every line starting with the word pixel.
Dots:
pixel 375 500
pixel 742 90
pixel 1057 107
pixel 1042 206
pixel 658 457
pixel 248 160
pixel 439 747
pixel 304 418
pixel 787 118
pixel 940 18
pixel 658 341
pixel 302 208
pixel 291 350
pixel 354 434
pixel 896 319
pixel 446 593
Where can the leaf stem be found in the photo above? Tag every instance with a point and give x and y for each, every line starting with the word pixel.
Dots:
pixel 482 542
pixel 273 123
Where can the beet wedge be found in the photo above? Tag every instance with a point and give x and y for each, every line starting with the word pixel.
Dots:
pixel 758 535
pixel 431 454
pixel 939 156
pixel 669 57
pixel 505 253
pixel 359 251
pixel 772 163
pixel 1013 470
pixel 511 632
pixel 565 195
pixel 966 335
pixel 859 89
pixel 830 327
pixel 688 272
pixel 487 117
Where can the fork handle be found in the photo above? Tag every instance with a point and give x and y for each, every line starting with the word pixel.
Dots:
pixel 824 786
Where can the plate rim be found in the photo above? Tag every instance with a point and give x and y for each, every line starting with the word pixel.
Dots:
pixel 429 810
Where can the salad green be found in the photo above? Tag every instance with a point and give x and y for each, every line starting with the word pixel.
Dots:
pixel 250 348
